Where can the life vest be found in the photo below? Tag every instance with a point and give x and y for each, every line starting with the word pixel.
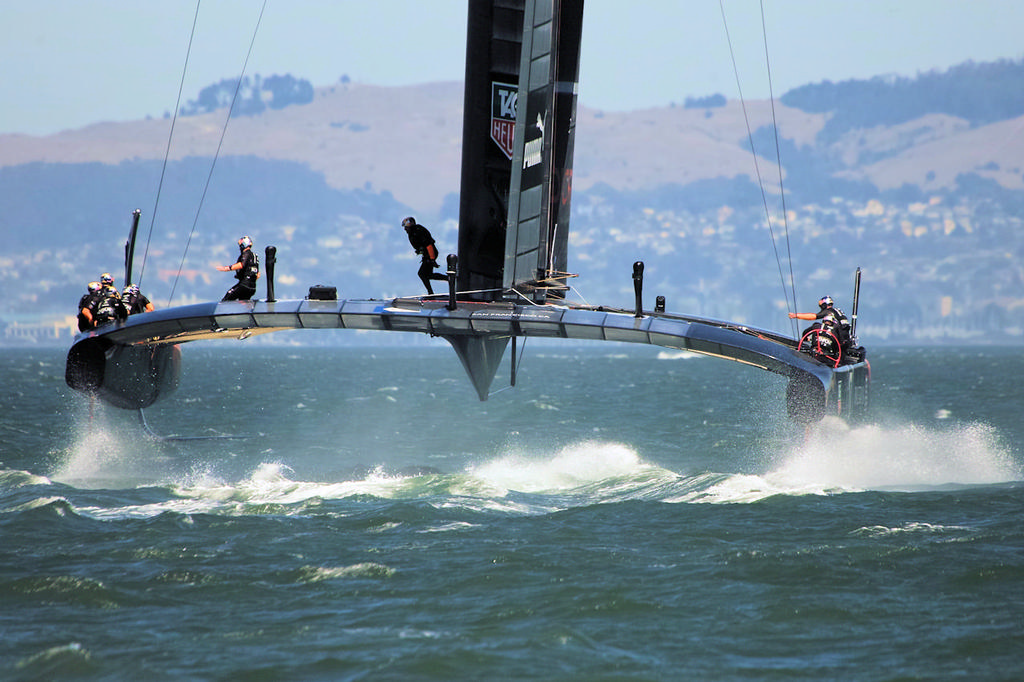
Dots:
pixel 250 271
pixel 108 308
pixel 838 324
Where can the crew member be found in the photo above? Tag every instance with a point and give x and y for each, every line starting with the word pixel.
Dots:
pixel 247 271
pixel 86 304
pixel 107 306
pixel 135 301
pixel 423 243
pixel 829 317
pixel 107 281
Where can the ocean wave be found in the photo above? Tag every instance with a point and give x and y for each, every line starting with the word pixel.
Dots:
pixel 834 459
pixel 916 528
pixel 11 479
pixel 56 662
pixel 369 569
pixel 62 589
pixel 56 504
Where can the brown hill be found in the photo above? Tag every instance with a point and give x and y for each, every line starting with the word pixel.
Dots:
pixel 408 139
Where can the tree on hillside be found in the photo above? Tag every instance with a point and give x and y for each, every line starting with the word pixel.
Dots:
pixel 709 102
pixel 281 91
pixel 979 93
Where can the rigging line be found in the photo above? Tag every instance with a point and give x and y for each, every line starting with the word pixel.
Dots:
pixel 524 297
pixel 216 155
pixel 757 168
pixel 778 162
pixel 580 294
pixel 167 152
pixel 515 364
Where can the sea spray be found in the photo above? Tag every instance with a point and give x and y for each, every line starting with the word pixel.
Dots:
pixel 897 457
pixel 570 467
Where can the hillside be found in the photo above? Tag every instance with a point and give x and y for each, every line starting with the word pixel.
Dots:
pixel 408 140
pixel 930 206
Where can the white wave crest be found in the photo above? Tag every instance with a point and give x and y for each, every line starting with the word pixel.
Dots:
pixel 316 574
pixel 15 478
pixel 570 468
pixel 897 458
pixel 916 527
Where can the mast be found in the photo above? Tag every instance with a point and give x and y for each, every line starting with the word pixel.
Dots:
pixel 856 305
pixel 129 247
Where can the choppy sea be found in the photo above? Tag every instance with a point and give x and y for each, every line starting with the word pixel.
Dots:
pixel 622 513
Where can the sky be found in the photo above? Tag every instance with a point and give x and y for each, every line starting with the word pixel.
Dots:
pixel 69 63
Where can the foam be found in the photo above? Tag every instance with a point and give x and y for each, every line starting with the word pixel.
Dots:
pixel 901 457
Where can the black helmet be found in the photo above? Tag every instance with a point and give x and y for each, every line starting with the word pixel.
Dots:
pixel 825 302
pixel 409 222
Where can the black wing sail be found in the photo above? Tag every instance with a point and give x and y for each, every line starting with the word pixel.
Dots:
pixel 517 176
pixel 493 45
pixel 537 242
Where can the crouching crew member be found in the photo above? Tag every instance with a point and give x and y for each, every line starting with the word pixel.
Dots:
pixel 247 271
pixel 107 306
pixel 86 304
pixel 135 301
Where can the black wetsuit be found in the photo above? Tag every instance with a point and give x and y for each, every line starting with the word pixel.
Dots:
pixel 423 242
pixel 88 301
pixel 246 277
pixel 108 307
pixel 136 303
pixel 834 320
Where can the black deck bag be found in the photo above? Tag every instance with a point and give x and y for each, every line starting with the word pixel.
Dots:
pixel 322 292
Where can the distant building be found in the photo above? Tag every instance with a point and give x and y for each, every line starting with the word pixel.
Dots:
pixel 37 330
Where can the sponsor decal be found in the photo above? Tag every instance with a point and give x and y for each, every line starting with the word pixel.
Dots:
pixel 503 115
pixel 534 148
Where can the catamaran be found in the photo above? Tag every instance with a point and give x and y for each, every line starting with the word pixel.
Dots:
pixel 510 276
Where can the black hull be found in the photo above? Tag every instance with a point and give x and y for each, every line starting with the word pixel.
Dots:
pixel 125 376
pixel 136 363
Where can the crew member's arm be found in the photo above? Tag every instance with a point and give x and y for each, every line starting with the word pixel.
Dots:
pixel 228 268
pixel 803 316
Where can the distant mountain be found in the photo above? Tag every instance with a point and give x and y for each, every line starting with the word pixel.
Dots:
pixel 900 176
pixel 883 133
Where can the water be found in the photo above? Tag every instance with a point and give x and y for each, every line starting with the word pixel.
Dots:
pixel 622 513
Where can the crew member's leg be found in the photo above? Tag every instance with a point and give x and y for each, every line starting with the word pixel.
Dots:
pixel 426 274
pixel 239 293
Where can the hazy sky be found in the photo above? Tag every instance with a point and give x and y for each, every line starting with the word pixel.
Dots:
pixel 69 63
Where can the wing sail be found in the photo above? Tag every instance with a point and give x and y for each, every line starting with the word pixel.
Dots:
pixel 540 193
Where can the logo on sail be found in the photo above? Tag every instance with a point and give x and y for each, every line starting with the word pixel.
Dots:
pixel 535 147
pixel 503 115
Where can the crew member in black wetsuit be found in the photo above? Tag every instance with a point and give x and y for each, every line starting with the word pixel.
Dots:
pixel 135 301
pixel 421 240
pixel 107 305
pixel 86 305
pixel 829 317
pixel 247 271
